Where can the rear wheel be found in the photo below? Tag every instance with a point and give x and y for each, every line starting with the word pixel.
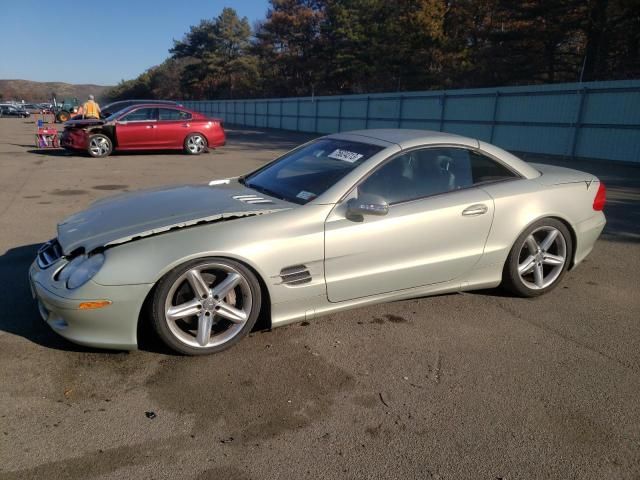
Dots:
pixel 62 116
pixel 206 305
pixel 195 144
pixel 99 146
pixel 539 258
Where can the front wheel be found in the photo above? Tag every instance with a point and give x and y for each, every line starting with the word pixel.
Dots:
pixel 195 144
pixel 99 146
pixel 206 305
pixel 539 258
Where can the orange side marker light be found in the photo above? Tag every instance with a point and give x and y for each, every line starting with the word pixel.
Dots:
pixel 94 305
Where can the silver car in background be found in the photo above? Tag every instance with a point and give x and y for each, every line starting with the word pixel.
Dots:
pixel 343 221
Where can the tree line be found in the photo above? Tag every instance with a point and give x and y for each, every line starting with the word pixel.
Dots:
pixel 324 47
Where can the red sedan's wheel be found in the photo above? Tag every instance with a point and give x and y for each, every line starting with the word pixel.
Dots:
pixel 99 146
pixel 195 144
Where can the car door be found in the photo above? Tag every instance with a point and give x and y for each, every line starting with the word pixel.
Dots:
pixel 136 129
pixel 435 229
pixel 173 127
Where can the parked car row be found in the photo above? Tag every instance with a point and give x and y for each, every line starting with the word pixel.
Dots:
pixel 13 110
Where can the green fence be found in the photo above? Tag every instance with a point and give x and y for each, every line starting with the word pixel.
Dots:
pixel 594 120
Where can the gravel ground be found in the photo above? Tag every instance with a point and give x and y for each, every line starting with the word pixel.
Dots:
pixel 475 385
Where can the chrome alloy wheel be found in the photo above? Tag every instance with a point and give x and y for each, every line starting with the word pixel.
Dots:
pixel 542 257
pixel 99 146
pixel 196 144
pixel 208 305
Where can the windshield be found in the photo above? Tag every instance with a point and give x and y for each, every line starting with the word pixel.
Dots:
pixel 305 173
pixel 113 115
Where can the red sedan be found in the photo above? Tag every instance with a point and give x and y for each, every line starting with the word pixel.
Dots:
pixel 145 127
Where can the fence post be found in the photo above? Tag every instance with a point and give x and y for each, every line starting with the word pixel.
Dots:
pixel 280 123
pixel 400 105
pixel 366 119
pixel 244 113
pixel 578 123
pixel 340 114
pixel 298 114
pixel 268 113
pixel 443 102
pixel 494 117
pixel 315 121
pixel 226 108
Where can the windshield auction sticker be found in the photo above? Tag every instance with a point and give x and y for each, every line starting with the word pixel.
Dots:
pixel 304 195
pixel 345 155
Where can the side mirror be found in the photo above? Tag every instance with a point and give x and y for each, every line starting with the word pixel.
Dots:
pixel 367 204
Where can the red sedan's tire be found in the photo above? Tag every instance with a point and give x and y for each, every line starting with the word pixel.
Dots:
pixel 195 144
pixel 99 146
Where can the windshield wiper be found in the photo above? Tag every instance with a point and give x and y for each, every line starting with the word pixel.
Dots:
pixel 266 191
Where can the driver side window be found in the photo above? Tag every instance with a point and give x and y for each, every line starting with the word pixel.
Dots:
pixel 432 171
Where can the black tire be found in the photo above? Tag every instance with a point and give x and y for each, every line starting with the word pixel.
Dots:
pixel 518 283
pixel 63 116
pixel 192 149
pixel 167 285
pixel 99 146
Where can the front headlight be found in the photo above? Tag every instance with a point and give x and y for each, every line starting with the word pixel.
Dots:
pixel 80 270
pixel 69 268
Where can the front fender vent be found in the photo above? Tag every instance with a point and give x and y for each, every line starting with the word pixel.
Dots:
pixel 295 275
pixel 251 199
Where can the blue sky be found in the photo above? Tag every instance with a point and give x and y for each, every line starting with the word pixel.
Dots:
pixel 99 42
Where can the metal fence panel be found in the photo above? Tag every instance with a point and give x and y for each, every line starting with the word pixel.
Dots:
pixel 595 119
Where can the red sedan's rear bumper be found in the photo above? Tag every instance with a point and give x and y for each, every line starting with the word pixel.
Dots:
pixel 215 135
pixel 74 138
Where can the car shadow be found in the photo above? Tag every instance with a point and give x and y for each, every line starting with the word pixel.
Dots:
pixel 61 152
pixel 51 152
pixel 18 311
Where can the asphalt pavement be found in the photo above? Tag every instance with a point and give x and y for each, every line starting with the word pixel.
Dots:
pixel 465 386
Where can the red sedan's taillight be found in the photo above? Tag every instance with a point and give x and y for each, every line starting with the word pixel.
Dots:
pixel 601 198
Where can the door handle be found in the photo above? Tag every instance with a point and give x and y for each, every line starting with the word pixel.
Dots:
pixel 475 210
pixel 150 126
pixel 185 125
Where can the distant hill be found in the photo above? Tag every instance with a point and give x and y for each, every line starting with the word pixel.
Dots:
pixel 41 91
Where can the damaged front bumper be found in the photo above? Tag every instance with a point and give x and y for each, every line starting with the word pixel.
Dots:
pixel 74 139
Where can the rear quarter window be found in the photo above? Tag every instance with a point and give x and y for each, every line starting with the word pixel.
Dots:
pixel 169 114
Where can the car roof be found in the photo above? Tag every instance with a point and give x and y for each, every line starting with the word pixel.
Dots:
pixel 407 138
pixel 168 102
pixel 155 105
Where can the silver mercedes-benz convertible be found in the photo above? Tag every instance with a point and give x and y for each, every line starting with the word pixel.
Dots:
pixel 345 220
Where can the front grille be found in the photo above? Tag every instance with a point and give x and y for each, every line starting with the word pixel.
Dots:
pixel 295 275
pixel 251 199
pixel 49 253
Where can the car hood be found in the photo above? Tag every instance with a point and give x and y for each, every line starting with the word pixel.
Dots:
pixel 129 216
pixel 82 123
